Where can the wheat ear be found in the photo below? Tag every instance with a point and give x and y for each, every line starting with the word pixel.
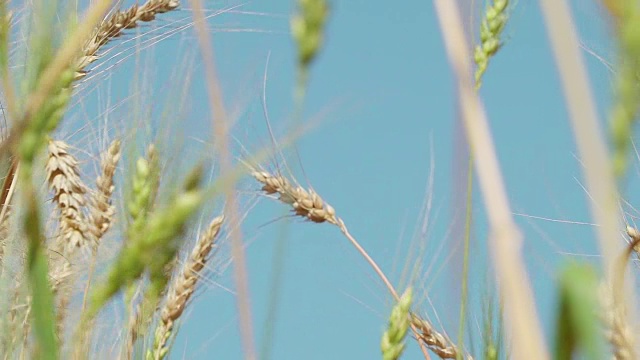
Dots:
pixel 392 344
pixel 69 192
pixel 436 342
pixel 493 22
pixel 617 330
pixel 113 26
pixel 102 211
pixel 69 195
pixel 308 204
pixel 183 287
pixel 614 315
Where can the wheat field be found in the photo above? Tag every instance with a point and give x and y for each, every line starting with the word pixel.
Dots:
pixel 191 179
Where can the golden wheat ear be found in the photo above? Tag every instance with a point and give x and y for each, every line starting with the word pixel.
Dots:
pixel 308 204
pixel 182 287
pixel 102 211
pixel 114 25
pixel 435 341
pixel 63 177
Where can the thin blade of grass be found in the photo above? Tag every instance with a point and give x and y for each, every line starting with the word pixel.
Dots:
pixel 221 126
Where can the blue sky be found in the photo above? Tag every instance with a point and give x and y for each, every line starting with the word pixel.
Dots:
pixel 385 94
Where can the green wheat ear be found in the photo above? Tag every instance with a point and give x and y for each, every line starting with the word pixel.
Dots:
pixel 307 27
pixel 493 23
pixel 392 344
pixel 153 247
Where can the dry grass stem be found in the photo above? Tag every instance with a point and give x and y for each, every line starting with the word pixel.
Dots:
pixel 221 125
pixel 505 241
pixel 584 119
pixel 598 171
pixel 183 286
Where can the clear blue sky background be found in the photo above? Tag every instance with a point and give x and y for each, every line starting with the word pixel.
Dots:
pixel 384 90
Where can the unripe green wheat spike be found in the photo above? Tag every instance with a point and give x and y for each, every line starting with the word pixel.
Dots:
pixel 307 27
pixel 493 23
pixel 153 247
pixel 143 190
pixel 392 344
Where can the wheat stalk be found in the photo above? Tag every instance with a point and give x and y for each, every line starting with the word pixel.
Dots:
pixel 506 240
pixel 183 287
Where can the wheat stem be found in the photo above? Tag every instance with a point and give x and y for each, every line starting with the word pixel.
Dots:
pixel 506 240
pixel 221 126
